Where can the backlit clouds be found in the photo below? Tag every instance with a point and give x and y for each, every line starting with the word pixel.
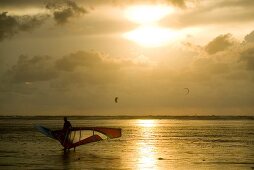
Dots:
pixel 227 57
pixel 72 56
pixel 64 10
pixel 216 82
pixel 249 37
pixel 79 59
pixel 247 57
pixel 11 25
pixel 211 13
pixel 93 3
pixel 37 68
pixel 80 67
pixel 220 43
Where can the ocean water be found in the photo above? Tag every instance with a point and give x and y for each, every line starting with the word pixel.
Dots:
pixel 145 144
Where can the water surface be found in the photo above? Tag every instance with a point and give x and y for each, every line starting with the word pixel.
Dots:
pixel 145 144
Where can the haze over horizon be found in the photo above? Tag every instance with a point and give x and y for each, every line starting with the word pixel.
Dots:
pixel 66 57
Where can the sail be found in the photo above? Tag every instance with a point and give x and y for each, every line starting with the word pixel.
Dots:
pixel 82 135
pixel 93 138
pixel 109 132
pixel 45 131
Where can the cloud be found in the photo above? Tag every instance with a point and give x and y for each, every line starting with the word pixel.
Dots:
pixel 11 25
pixel 8 26
pixel 78 59
pixel 224 54
pixel 220 43
pixel 87 81
pixel 247 57
pixel 76 69
pixel 232 63
pixel 249 37
pixel 211 66
pixel 28 70
pixel 213 13
pixel 247 54
pixel 222 59
pixel 64 10
pixel 84 67
pixel 93 3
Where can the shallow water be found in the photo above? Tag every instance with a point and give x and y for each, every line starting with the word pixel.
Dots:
pixel 145 144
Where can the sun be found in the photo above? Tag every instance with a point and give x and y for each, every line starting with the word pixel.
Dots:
pixel 149 33
pixel 150 36
pixel 144 14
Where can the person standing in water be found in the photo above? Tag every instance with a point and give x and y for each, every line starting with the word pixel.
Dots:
pixel 66 129
pixel 67 125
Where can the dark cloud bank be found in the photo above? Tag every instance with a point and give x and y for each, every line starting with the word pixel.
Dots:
pixel 22 3
pixel 11 25
pixel 62 12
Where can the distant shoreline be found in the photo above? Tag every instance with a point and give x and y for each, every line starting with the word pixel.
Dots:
pixel 133 117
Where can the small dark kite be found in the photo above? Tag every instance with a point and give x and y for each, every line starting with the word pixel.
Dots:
pixel 188 90
pixel 116 99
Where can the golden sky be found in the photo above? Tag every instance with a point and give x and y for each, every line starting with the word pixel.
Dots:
pixel 74 57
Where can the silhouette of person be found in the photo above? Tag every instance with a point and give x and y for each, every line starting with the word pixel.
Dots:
pixel 66 130
pixel 67 125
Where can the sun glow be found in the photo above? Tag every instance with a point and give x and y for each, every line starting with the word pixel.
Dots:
pixel 149 33
pixel 144 14
pixel 150 36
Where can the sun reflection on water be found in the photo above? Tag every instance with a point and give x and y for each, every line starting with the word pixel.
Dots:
pixel 146 159
pixel 146 149
pixel 146 123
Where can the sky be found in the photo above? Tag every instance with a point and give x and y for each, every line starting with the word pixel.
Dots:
pixel 65 57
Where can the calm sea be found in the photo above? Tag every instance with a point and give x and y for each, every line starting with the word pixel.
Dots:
pixel 146 143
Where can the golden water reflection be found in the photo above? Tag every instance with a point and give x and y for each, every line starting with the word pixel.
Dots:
pixel 146 148
pixel 146 123
pixel 146 156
